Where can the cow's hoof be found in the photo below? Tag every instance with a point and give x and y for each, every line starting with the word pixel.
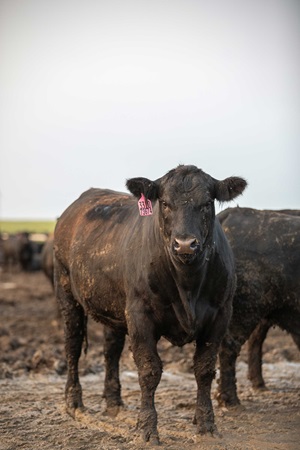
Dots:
pixel 75 412
pixel 227 400
pixel 209 428
pixel 145 439
pixel 112 411
pixel 147 435
pixel 152 438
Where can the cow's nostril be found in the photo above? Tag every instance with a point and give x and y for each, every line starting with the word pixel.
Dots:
pixel 176 244
pixel 194 244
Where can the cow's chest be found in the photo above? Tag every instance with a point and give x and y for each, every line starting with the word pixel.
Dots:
pixel 182 320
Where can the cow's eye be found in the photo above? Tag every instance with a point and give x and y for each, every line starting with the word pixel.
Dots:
pixel 165 205
pixel 206 206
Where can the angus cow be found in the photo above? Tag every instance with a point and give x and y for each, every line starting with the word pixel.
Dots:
pixel 256 340
pixel 266 246
pixel 167 271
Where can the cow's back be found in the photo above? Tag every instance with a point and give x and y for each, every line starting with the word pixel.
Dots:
pixel 95 213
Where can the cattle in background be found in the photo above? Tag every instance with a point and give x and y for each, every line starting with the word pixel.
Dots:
pixel 47 259
pixel 9 252
pixel 256 340
pixel 26 252
pixel 168 274
pixel 21 251
pixel 37 241
pixel 266 246
pixel 17 252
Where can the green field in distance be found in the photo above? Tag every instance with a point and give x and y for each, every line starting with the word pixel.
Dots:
pixel 30 226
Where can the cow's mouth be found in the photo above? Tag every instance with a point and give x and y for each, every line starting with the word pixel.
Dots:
pixel 186 258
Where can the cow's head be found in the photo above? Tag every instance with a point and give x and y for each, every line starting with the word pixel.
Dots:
pixel 185 207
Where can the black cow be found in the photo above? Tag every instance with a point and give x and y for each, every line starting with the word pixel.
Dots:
pixel 256 340
pixel 168 274
pixel 266 247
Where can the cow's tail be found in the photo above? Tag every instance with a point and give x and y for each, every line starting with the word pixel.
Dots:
pixel 85 336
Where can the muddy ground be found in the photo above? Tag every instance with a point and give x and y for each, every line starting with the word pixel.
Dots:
pixel 33 375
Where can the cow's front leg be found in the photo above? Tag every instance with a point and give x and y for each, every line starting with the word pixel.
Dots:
pixel 227 389
pixel 144 349
pixel 204 368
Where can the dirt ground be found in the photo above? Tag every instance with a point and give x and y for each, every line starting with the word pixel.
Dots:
pixel 33 375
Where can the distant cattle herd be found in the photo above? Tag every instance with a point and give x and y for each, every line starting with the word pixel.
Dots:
pixel 180 272
pixel 21 251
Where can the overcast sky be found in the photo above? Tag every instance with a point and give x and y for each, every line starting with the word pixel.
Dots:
pixel 94 92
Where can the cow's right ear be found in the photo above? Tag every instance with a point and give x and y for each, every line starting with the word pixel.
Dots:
pixel 138 186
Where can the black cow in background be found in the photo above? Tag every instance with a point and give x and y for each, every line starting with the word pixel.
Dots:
pixel 256 340
pixel 168 274
pixel 17 252
pixel 26 252
pixel 266 246
pixel 21 251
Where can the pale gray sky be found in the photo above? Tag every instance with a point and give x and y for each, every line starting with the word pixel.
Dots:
pixel 94 92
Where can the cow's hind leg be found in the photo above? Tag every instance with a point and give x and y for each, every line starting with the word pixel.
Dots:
pixel 255 344
pixel 75 332
pixel 113 346
pixel 144 348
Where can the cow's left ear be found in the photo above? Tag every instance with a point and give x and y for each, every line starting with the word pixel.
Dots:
pixel 228 189
pixel 138 186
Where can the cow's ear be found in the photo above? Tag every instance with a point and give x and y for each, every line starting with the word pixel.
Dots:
pixel 138 186
pixel 228 189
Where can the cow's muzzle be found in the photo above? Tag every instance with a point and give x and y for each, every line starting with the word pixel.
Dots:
pixel 186 249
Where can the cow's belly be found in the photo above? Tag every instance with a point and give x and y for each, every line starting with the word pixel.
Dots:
pixel 100 295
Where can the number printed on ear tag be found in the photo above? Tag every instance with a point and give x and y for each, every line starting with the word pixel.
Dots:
pixel 145 206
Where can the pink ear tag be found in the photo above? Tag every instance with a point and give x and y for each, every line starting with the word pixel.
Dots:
pixel 145 206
